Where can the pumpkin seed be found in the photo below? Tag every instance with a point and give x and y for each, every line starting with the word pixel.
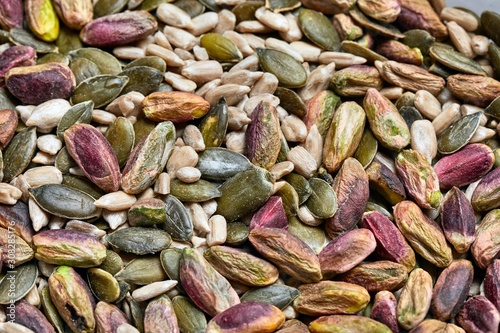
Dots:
pixel 80 113
pixel 150 61
pixel 213 125
pixel 103 285
pixel 458 134
pixel 138 240
pixel 84 185
pixel 410 114
pixel 106 62
pixel 64 201
pixel 170 259
pixel 367 148
pixel 386 30
pixel 179 224
pixel 245 11
pixel 198 191
pixel 113 263
pixel 237 233
pixel 83 69
pixel 322 203
pixel 278 295
pixel 359 50
pixel 19 153
pixel 291 101
pixel 300 184
pixel 108 7
pixel 493 109
pixel 220 48
pixel 221 163
pixel 287 70
pixel 64 161
pixel 143 79
pixel 490 21
pixel 189 317
pixel 192 7
pixel 319 29
pixel 420 39
pixel 455 60
pixel 50 310
pixel 16 284
pixel 101 89
pixel 142 271
pixel 53 57
pixel 314 237
pixel 279 6
pixel 68 40
pixel 121 137
pixel 20 36
pixel 290 199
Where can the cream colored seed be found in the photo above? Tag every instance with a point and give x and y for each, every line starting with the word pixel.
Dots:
pixel 277 44
pixel 39 217
pixel 282 113
pixel 253 27
pixel 294 129
pixel 115 201
pixel 9 327
pixel 188 174
pixel 126 328
pixel 304 163
pixel 202 71
pixel 56 222
pixel 162 184
pixel 9 194
pixel 267 84
pixel 218 230
pixel 183 54
pixel 427 104
pixel 278 185
pixel 232 92
pixel 173 16
pixel 385 160
pixel 152 290
pixel 464 19
pixel 204 23
pixel 180 38
pixel 318 80
pixel 482 133
pixel 308 51
pixel 200 53
pixel 103 117
pixel 181 157
pixel 226 22
pixel 253 101
pixel 314 144
pixel 33 297
pixel 242 77
pixel 480 45
pixel 340 59
pixel 49 143
pixel 281 169
pixel 198 216
pixel 237 118
pixel 129 52
pixel 235 141
pixel 85 227
pixel 240 42
pixel 193 137
pixel 467 109
pixel 20 183
pixel 146 194
pixel 179 245
pixel 273 20
pixel 169 56
pixel 209 206
pixel 48 114
pixel 76 171
pixel 43 158
pixel 423 138
pixel 127 105
pixel 294 32
pixel 448 116
pixel 179 82
pixel 143 43
pixel 290 312
pixel 42 175
pixel 461 39
pixel 307 217
pixel 115 218
pixel 392 93
pixel 25 112
pixel 202 91
pixel 162 40
pixel 250 63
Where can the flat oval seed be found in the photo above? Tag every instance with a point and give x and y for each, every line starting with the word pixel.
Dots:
pixel 18 154
pixel 319 29
pixel 458 134
pixel 322 202
pixel 103 285
pixel 220 48
pixel 139 240
pixel 15 285
pixel 289 71
pixel 100 89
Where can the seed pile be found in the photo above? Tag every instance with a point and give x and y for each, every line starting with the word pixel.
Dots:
pixel 249 166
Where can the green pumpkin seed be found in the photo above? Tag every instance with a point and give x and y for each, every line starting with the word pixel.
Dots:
pixel 493 109
pixel 83 69
pixel 142 128
pixel 322 202
pixel 441 70
pixel 150 5
pixel 287 70
pixel 189 317
pixel 150 61
pixel 103 285
pixel 220 48
pixel 80 113
pixel 121 136
pixel 494 53
pixel 143 79
pixel 290 199
pixel 279 295
pixel 53 57
pixel 245 11
pixel 64 201
pixel 385 30
pixel 410 114
pixel 64 161
pixel 300 184
pixel 458 134
pixel 136 313
pixel 199 191
pixel 490 21
pixel 178 223
pixel 284 150
pixel 455 60
pixel 170 259
pixel 50 310
pixel 314 237
pixel 237 233
pixel 6 99
pixel 101 89
pixel 106 62
pixel 372 206
pixel 138 240
pixel 142 271
pixel 291 101
pixel 192 7
pixel 20 36
pixel 68 40
pixel 113 263
pixel 319 29
pixel 84 185
pixel 279 6
pixel 244 193
pixel 124 291
pixel 19 153
pixel 221 163
pixel 213 125
pixel 359 50
pixel 367 148
pixel 16 284
pixel 108 7
pixel 420 39
pixel 211 4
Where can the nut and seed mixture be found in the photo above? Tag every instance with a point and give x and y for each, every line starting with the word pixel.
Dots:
pixel 243 166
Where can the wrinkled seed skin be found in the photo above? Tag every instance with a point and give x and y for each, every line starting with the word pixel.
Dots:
pixel 17 214
pixel 271 215
pixel 320 110
pixel 159 316
pixel 32 318
pixel 479 315
pixel 492 283
pixel 15 56
pixel 415 299
pixel 347 324
pixel 487 244
pixel 248 317
pixel 384 310
pixel 108 317
pixel 288 252
pixel 451 289
pixel 176 106
pixel 385 182
pixel 487 193
pixel 418 14
pixel 433 325
pixel 11 14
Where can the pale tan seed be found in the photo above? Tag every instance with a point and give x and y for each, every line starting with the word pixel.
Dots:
pixel 467 109
pixel 179 82
pixel 281 169
pixel 253 101
pixel 307 217
pixel 193 137
pixel 202 91
pixel 423 138
pixel 218 230
pixel 25 112
pixel 209 206
pixel 143 43
pixel 202 71
pixel 254 41
pixel 482 133
pixel 341 59
pixel 39 217
pixel 146 194
pixel 237 118
pixel 308 51
pixel 318 80
pixel 180 38
pixel 10 327
pixel 226 22
pixel 242 77
pixel 129 52
pixel 282 113
pixel 267 84
pixel 152 290
pixel 9 194
pixel 200 53
pixel 294 32
pixel 280 45
pixel 290 312
pixel 169 56
pixel 204 23
pixel 21 183
pixel 250 63
pixel 385 160
pixel 314 144
pixel 427 104
pixel 115 201
pixel 42 175
pixel 128 105
pixel 480 44
pixel 103 117
pixel 275 21
pixel 461 39
pixel 464 19
pixel 43 158
pixel 188 174
pixel 490 72
pixel 240 42
pixel 253 27
pixel 48 114
pixel 162 184
pixel 49 143
pixel 392 93
pixel 232 92
pixel 174 16
pixel 184 55
pixel 126 328
pixel 85 227
pixel 235 141
pixel 294 129
pixel 198 216
pixel 115 219
pixel 162 40
pixel 450 114
pixel 33 297
pixel 278 186
pixel 181 157
pixel 304 163
pixel 198 242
